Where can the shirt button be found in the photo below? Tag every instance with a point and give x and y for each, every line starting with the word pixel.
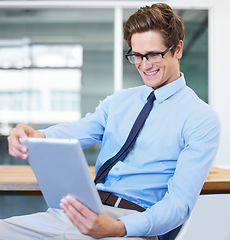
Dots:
pixel 116 169
pixel 108 184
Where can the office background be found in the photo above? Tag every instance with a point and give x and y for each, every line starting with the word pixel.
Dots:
pixel 57 64
pixel 58 59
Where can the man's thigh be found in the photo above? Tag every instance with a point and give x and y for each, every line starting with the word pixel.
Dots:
pixel 47 225
pixel 53 224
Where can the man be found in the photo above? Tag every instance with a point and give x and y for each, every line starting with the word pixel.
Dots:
pixel 169 162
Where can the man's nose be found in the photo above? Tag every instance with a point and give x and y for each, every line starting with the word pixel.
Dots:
pixel 146 63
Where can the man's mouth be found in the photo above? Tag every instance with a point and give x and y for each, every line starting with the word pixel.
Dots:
pixel 151 73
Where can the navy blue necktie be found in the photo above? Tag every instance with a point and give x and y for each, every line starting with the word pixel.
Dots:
pixel 128 145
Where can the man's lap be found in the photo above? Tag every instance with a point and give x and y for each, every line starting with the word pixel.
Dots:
pixel 53 224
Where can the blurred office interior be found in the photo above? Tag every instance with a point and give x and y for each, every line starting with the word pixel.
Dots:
pixel 57 64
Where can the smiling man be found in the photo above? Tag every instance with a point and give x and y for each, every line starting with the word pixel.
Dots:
pixel 154 188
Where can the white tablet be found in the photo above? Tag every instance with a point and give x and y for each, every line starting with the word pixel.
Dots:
pixel 61 169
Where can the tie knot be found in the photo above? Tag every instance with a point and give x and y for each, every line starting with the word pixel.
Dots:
pixel 151 96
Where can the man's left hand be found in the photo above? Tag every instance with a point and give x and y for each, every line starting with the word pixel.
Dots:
pixel 90 223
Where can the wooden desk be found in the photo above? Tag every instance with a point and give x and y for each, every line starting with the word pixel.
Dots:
pixel 15 179
pixel 20 179
pixel 217 182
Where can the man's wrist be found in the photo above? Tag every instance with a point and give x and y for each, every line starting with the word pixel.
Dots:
pixel 121 230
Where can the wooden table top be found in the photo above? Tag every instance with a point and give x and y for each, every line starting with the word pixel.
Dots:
pixel 218 181
pixel 20 179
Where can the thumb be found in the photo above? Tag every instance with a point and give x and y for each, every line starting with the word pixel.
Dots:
pixel 23 131
pixel 24 137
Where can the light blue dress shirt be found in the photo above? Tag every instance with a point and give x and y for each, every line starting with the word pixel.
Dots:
pixel 171 158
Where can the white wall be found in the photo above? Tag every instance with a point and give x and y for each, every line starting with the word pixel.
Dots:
pixel 219 77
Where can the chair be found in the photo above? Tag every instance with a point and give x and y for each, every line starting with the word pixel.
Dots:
pixel 170 235
pixel 210 219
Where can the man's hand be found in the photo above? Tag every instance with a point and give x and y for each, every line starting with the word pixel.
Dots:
pixel 16 149
pixel 90 223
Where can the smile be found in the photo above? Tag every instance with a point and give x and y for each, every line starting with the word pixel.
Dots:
pixel 151 73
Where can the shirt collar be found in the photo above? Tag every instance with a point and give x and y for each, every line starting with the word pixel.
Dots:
pixel 170 89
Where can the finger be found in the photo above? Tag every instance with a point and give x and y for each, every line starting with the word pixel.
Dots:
pixel 78 211
pixel 18 154
pixel 71 210
pixel 80 207
pixel 81 215
pixel 14 141
pixel 73 214
pixel 22 131
pixel 75 217
pixel 16 149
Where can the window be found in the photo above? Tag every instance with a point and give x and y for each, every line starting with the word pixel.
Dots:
pixel 55 66
pixel 65 101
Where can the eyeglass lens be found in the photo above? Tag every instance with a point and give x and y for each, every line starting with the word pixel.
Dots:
pixel 152 57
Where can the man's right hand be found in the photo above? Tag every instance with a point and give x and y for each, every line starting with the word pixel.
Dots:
pixel 16 149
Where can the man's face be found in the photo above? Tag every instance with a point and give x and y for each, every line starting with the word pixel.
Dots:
pixel 156 75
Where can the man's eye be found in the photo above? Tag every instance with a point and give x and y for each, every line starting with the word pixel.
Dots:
pixel 153 54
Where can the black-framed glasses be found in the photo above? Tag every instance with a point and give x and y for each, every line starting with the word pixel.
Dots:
pixel 153 57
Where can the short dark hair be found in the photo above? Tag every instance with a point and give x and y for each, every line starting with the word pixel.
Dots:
pixel 159 17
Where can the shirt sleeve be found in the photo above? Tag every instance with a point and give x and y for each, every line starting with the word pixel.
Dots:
pixel 88 130
pixel 201 138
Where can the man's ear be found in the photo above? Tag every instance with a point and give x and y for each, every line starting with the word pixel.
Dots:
pixel 179 50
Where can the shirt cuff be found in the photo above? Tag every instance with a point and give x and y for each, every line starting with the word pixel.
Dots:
pixel 136 224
